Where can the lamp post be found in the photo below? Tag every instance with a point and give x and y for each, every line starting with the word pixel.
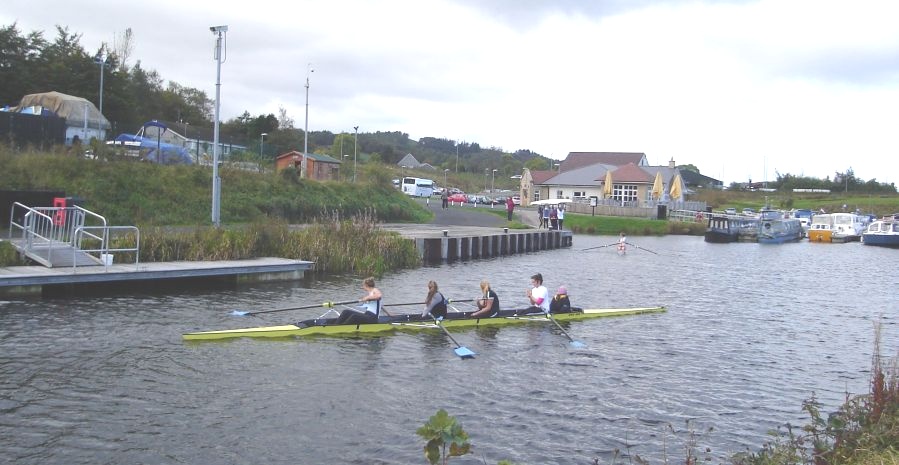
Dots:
pixel 101 60
pixel 493 182
pixel 444 178
pixel 557 166
pixel 262 144
pixel 355 145
pixel 219 32
pixel 486 173
pixel 457 157
pixel 306 127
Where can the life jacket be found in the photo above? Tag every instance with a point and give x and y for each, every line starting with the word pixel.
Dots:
pixel 560 304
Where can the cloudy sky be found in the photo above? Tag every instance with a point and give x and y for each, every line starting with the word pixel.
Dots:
pixel 741 89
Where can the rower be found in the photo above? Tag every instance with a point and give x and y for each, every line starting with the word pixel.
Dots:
pixel 488 304
pixel 435 302
pixel 368 311
pixel 537 295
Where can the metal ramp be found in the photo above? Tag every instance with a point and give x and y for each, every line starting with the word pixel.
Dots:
pixel 61 236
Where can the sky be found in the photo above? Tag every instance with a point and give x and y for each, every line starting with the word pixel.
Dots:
pixel 740 89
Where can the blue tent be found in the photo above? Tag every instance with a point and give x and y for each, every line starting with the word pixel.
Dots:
pixel 157 152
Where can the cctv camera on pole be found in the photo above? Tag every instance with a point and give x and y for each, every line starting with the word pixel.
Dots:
pixel 219 32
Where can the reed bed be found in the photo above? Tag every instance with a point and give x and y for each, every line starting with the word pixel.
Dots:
pixel 337 245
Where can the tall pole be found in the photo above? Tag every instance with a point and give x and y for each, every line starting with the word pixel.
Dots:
pixel 262 144
pixel 493 182
pixel 444 178
pixel 457 158
pixel 219 31
pixel 355 146
pixel 485 179
pixel 306 128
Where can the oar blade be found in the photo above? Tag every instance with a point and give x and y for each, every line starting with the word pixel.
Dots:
pixel 239 313
pixel 575 344
pixel 464 352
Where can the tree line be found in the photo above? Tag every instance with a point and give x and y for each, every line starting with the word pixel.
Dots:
pixel 32 63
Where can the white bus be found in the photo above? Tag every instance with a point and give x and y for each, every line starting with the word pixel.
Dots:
pixel 418 187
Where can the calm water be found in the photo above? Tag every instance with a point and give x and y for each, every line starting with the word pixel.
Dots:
pixel 751 331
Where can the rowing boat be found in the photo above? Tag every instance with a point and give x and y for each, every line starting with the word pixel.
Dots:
pixel 325 326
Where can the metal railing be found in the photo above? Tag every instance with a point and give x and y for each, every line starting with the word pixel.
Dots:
pixel 40 231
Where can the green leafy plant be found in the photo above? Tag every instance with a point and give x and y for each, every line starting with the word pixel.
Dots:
pixel 445 437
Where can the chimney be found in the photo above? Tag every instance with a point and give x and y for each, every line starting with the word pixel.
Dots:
pixel 671 163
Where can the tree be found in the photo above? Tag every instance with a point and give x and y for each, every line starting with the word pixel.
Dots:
pixel 689 167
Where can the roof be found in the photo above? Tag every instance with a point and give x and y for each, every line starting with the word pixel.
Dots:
pixel 540 177
pixel 630 173
pixel 576 160
pixel 72 108
pixel 319 157
pixel 408 161
pixel 585 176
pixel 692 178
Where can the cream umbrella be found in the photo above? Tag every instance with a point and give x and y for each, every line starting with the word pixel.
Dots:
pixel 657 186
pixel 607 185
pixel 675 188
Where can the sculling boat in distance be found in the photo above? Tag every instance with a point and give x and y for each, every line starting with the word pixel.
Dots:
pixel 326 326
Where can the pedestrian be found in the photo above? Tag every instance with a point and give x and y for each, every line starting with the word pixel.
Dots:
pixel 510 206
pixel 444 197
pixel 546 216
pixel 540 215
pixel 554 217
pixel 561 216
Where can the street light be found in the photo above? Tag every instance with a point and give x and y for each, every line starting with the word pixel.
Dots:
pixel 100 59
pixel 306 127
pixel 261 144
pixel 354 168
pixel 486 173
pixel 219 32
pixel 444 178
pixel 493 182
pixel 557 166
pixel 355 144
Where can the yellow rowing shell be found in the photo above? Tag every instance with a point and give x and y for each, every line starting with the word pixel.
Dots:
pixel 294 330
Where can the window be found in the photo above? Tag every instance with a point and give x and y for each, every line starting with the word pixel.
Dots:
pixel 559 194
pixel 579 195
pixel 624 192
pixel 536 196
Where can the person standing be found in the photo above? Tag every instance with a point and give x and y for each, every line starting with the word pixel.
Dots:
pixel 510 207
pixel 538 295
pixel 554 217
pixel 546 216
pixel 540 216
pixel 444 197
pixel 561 215
pixel 368 311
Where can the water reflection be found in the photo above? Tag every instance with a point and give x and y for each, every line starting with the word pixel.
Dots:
pixel 750 332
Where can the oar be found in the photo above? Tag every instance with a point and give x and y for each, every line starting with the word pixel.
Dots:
pixel 462 351
pixel 323 304
pixel 641 248
pixel 422 303
pixel 575 344
pixel 600 246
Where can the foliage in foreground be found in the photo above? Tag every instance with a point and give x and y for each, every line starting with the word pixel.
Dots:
pixel 443 432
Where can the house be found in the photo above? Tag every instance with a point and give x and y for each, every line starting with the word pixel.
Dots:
pixel 409 161
pixel 318 166
pixel 614 178
pixel 82 119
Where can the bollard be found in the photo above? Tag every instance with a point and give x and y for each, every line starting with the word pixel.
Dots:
pixel 445 232
pixel 506 230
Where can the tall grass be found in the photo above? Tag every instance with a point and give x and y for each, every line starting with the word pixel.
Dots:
pixel 336 245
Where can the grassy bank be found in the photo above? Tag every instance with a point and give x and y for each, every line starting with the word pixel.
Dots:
pixel 613 225
pixel 880 205
pixel 134 193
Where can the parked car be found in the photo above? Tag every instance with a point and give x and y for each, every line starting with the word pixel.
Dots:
pixel 460 197
pixel 516 199
pixel 748 212
pixel 730 211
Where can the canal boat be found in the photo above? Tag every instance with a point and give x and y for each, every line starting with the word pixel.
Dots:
pixel 722 229
pixel 327 326
pixel 821 229
pixel 883 232
pixel 775 229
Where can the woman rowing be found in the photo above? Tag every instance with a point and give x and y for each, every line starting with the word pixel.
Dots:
pixel 435 302
pixel 488 304
pixel 538 296
pixel 368 311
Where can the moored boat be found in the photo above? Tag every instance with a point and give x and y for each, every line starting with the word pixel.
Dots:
pixel 847 227
pixel 775 229
pixel 883 232
pixel 326 326
pixel 821 229
pixel 722 229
